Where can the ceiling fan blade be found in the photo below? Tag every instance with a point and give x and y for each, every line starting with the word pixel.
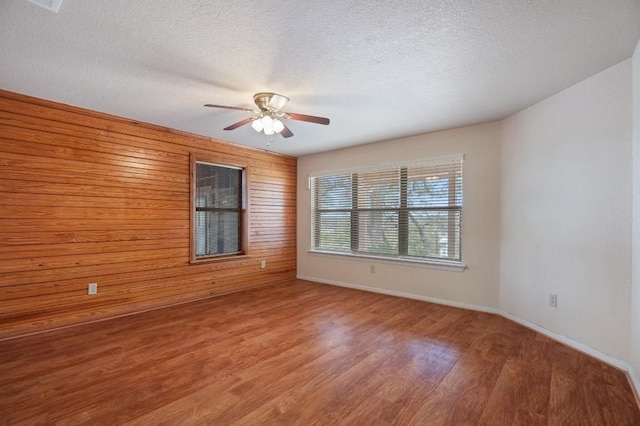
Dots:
pixel 303 117
pixel 286 132
pixel 240 123
pixel 229 107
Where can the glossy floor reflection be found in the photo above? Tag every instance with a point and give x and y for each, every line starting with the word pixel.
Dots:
pixel 306 353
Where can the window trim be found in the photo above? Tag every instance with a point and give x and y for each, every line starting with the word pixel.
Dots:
pixel 428 262
pixel 432 263
pixel 244 215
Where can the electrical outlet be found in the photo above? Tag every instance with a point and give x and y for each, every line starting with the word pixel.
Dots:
pixel 93 288
pixel 372 269
pixel 553 300
pixel 263 264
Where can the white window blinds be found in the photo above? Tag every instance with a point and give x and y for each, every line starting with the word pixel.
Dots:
pixel 412 211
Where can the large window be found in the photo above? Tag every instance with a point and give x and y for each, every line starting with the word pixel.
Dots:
pixel 410 212
pixel 218 223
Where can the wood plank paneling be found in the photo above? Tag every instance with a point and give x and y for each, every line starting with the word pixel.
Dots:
pixel 87 197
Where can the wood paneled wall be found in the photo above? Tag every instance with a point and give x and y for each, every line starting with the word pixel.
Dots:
pixel 87 197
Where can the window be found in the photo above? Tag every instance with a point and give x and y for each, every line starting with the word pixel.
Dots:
pixel 218 203
pixel 410 212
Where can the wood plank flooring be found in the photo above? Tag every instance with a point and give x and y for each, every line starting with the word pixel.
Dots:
pixel 308 354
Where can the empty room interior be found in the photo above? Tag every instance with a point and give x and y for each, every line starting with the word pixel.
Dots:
pixel 320 213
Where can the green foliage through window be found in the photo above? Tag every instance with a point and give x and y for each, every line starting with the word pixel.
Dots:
pixel 412 211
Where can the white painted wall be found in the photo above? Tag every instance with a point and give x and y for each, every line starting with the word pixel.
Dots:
pixel 550 190
pixel 635 298
pixel 566 212
pixel 478 285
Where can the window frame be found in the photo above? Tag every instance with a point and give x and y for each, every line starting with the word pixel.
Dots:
pixel 403 211
pixel 196 159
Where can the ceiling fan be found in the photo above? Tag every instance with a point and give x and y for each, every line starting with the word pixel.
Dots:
pixel 268 117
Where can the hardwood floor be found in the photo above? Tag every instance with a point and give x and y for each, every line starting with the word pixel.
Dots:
pixel 308 354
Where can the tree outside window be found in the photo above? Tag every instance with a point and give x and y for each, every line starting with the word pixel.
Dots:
pixel 412 211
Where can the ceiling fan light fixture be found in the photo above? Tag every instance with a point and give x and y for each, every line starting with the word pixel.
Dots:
pixel 278 126
pixel 267 120
pixel 257 125
pixel 267 123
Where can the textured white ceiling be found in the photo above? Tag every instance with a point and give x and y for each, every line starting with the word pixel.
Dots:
pixel 379 69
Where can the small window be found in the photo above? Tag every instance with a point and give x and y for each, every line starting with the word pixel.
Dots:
pixel 218 203
pixel 408 212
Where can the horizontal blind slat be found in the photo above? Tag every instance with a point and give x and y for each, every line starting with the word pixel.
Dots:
pixel 410 210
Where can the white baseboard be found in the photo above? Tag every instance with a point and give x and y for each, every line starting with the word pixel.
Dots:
pixel 635 383
pixel 562 339
pixel 569 342
pixel 402 294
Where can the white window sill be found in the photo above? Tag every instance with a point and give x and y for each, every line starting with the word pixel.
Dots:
pixel 447 265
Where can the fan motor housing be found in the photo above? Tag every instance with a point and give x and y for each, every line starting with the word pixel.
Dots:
pixel 264 101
